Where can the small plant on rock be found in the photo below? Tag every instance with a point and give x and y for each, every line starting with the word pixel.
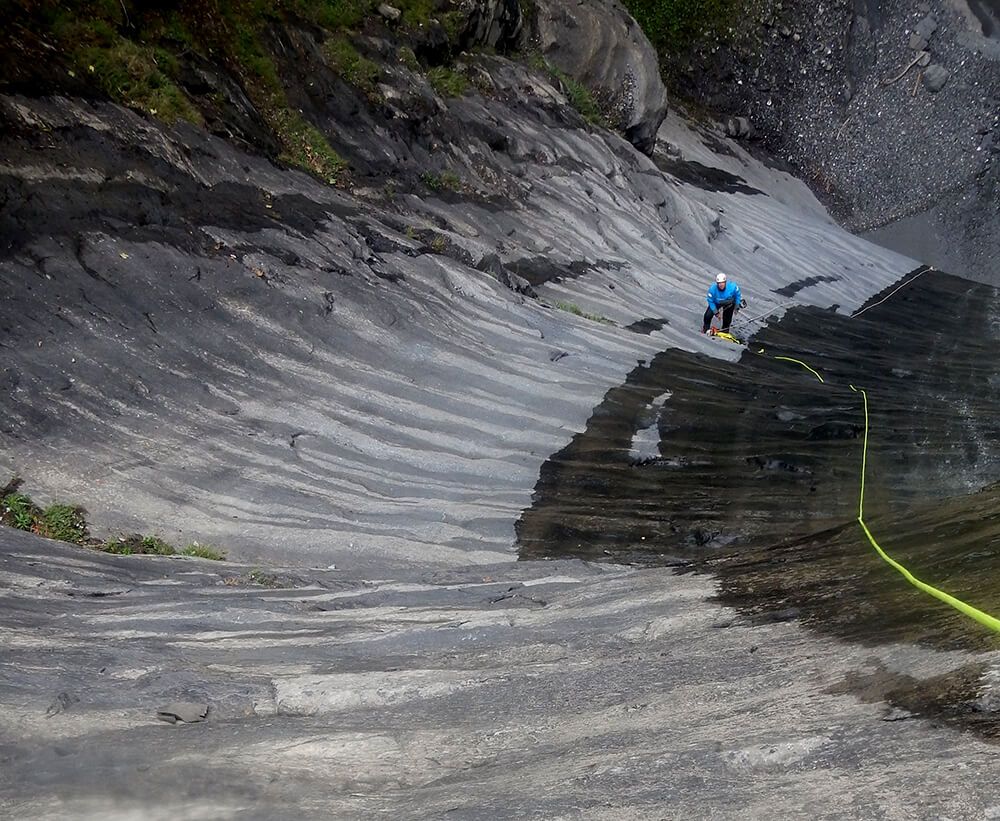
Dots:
pixel 408 58
pixel 576 310
pixel 65 523
pixel 357 70
pixel 445 181
pixel 447 82
pixel 16 509
pixel 203 551
pixel 137 544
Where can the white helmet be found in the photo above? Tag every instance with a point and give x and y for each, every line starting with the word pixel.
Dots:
pixel 720 279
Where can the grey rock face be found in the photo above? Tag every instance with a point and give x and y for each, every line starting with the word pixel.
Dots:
pixel 247 313
pixel 598 43
pixel 495 23
pixel 433 689
pixel 935 77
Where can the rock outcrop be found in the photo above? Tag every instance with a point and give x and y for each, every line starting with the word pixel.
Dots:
pixel 496 24
pixel 599 44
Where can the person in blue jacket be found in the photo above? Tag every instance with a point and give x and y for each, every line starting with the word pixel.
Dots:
pixel 724 296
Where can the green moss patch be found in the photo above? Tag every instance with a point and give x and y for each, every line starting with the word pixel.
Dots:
pixel 673 25
pixel 360 72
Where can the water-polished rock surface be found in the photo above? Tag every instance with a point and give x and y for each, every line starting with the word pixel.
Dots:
pixel 357 395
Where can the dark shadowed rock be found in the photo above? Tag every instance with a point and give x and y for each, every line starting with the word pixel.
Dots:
pixel 935 77
pixel 738 127
pixel 599 44
pixel 492 265
pixel 496 24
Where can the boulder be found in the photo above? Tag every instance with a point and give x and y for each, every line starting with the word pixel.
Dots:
pixel 600 45
pixel 390 13
pixel 922 33
pixel 738 127
pixel 935 77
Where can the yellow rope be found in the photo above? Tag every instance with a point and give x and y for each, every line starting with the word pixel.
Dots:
pixel 985 619
pixel 803 364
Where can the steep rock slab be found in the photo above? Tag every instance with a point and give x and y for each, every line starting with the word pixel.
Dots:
pixel 533 690
pixel 598 43
pixel 238 354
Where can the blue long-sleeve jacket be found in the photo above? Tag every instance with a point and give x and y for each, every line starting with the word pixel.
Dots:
pixel 723 299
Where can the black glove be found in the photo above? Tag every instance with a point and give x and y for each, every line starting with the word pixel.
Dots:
pixel 743 304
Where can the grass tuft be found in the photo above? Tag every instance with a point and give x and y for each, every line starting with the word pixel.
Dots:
pixel 18 511
pixel 131 73
pixel 408 58
pixel 576 310
pixel 359 71
pixel 65 523
pixel 305 145
pixel 136 545
pixel 68 523
pixel 203 551
pixel 447 82
pixel 445 181
pixel 577 94
pixel 333 14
